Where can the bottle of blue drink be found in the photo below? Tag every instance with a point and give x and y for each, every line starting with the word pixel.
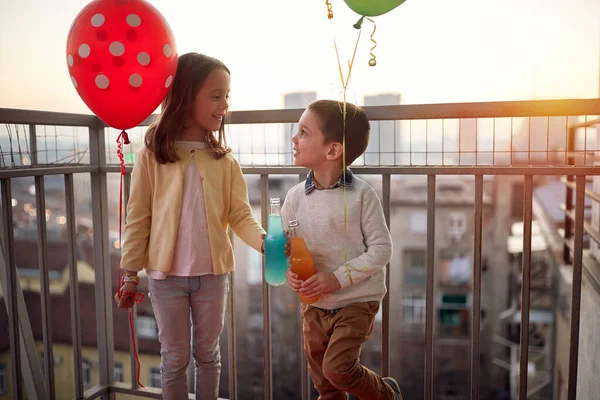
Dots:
pixel 275 240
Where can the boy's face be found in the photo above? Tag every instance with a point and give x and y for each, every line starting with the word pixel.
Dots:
pixel 310 149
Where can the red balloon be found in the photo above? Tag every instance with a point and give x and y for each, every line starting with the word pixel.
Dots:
pixel 122 60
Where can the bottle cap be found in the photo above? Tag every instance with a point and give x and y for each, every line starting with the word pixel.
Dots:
pixel 293 223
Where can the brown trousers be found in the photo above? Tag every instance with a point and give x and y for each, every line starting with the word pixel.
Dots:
pixel 332 344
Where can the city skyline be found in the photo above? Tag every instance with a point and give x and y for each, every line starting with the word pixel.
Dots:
pixel 429 50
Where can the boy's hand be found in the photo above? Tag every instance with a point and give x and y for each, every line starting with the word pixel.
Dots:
pixel 292 280
pixel 319 284
pixel 127 298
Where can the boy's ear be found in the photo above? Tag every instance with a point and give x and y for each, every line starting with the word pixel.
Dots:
pixel 335 152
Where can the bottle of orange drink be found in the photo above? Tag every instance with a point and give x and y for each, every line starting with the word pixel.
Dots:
pixel 301 261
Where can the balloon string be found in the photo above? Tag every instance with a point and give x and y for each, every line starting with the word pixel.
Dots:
pixel 329 9
pixel 345 83
pixel 122 139
pixel 373 60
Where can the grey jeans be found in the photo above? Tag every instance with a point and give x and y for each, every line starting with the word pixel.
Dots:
pixel 190 309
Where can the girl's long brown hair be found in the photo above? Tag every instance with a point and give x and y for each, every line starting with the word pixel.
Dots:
pixel 192 70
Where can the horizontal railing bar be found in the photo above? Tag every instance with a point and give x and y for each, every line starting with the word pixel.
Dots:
pixel 148 392
pixel 35 117
pixel 43 171
pixel 587 227
pixel 96 392
pixel 586 124
pixel 588 192
pixel 416 170
pixel 497 109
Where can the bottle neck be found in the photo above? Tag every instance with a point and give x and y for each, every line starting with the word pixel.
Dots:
pixel 275 209
pixel 293 232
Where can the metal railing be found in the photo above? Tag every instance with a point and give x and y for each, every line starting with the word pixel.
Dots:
pixel 26 374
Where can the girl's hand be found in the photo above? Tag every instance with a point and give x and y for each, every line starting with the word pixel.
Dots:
pixel 127 298
pixel 292 280
pixel 319 284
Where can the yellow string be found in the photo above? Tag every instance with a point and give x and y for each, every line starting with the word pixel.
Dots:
pixel 345 82
pixel 373 60
pixel 329 9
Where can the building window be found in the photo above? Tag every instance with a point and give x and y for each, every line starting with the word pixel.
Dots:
pixel 86 372
pixel 454 315
pixel 155 377
pixel 3 379
pixel 119 375
pixel 418 223
pixel 457 225
pixel 413 308
pixel 146 327
pixel 414 267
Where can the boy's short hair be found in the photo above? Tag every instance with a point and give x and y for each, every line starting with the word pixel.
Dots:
pixel 330 113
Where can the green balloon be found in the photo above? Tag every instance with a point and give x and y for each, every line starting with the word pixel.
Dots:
pixel 372 8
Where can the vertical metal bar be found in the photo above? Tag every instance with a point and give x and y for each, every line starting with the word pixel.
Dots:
pixel 476 308
pixel 74 286
pixel 133 329
pixel 459 138
pixel 231 335
pixel 476 148
pixel 529 141
pixel 11 293
pixel 443 141
pixel 410 141
pixel 304 376
pixel 585 129
pixel 102 265
pixel 44 285
pixel 426 142
pixel 33 144
pixel 576 293
pixel 385 322
pixel 430 288
pixel 33 381
pixel 494 142
pixel 511 141
pixel 266 294
pixel 547 141
pixel 569 200
pixel 525 285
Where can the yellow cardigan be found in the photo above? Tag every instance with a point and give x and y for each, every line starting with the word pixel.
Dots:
pixel 154 209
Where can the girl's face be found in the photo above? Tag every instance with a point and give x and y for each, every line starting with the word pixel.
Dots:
pixel 212 101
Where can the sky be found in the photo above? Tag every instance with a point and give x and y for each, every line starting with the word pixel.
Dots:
pixel 429 51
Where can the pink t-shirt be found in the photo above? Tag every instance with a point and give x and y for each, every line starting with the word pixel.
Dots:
pixel 192 256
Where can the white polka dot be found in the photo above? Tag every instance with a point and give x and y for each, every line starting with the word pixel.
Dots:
pixel 167 50
pixel 169 81
pixel 98 20
pixel 84 50
pixel 135 80
pixel 74 82
pixel 116 49
pixel 143 58
pixel 102 81
pixel 134 20
pixel 70 60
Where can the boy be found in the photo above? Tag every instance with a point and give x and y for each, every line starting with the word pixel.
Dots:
pixel 336 326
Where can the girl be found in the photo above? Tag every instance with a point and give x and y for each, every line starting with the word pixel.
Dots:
pixel 186 189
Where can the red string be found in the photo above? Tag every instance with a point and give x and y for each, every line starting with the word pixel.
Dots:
pixel 123 138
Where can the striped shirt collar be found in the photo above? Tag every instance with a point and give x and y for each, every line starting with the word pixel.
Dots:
pixel 309 184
